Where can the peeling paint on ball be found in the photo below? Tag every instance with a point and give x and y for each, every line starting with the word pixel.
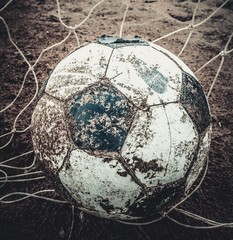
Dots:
pixel 122 129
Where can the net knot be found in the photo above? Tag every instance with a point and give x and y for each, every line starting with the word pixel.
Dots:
pixel 72 28
pixel 31 68
pixel 223 53
pixel 191 27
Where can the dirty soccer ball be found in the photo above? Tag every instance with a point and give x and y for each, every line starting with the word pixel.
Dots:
pixel 122 129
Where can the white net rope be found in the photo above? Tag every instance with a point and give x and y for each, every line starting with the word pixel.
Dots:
pixel 13 172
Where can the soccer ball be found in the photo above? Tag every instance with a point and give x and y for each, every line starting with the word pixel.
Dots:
pixel 122 129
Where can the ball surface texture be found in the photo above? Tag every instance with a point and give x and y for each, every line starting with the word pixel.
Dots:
pixel 122 129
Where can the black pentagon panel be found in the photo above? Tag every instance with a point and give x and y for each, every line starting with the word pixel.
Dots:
pixel 194 101
pixel 153 200
pixel 115 42
pixel 100 118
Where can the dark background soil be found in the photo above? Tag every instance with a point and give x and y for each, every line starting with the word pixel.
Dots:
pixel 34 26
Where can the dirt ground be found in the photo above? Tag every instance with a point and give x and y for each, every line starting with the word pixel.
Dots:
pixel 34 25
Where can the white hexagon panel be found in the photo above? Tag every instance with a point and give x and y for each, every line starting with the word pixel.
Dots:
pixel 98 184
pixel 146 76
pixel 78 70
pixel 161 144
pixel 50 135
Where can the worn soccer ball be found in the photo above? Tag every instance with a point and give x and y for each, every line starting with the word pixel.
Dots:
pixel 122 129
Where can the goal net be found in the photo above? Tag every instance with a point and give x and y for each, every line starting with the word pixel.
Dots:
pixel 36 34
